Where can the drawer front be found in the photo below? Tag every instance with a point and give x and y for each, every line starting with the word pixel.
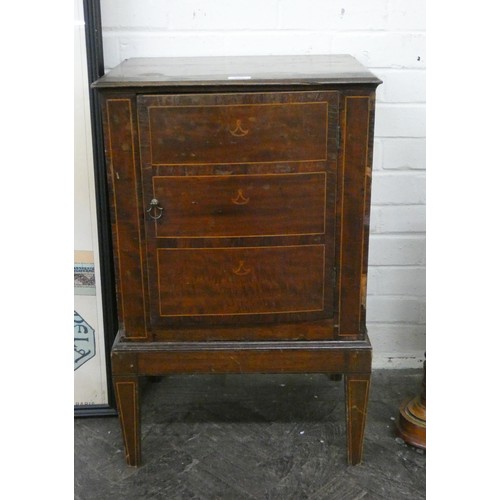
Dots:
pixel 241 205
pixel 240 281
pixel 208 131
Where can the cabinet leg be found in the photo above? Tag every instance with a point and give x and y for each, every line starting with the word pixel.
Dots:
pixel 357 388
pixel 127 400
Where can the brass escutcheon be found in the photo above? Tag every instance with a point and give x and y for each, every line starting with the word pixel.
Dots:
pixel 154 208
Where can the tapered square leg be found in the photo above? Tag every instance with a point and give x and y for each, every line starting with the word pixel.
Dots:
pixel 357 388
pixel 127 400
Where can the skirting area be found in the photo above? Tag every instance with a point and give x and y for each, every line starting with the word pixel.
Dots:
pixel 258 437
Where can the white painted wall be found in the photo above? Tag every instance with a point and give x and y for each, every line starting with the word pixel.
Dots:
pixel 388 36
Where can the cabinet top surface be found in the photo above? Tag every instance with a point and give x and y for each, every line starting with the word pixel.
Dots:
pixel 237 70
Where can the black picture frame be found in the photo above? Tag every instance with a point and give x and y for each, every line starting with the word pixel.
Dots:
pixel 95 69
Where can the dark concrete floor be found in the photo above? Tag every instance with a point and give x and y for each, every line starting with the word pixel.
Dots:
pixel 252 437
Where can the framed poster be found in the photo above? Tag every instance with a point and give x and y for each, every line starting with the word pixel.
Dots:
pixel 94 304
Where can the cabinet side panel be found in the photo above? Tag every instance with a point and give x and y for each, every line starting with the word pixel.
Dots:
pixel 354 195
pixel 126 215
pixel 367 207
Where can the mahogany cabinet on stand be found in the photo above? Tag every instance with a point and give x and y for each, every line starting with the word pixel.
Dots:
pixel 239 190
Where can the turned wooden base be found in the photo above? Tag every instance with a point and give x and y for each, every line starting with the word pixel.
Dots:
pixel 410 425
pixel 131 360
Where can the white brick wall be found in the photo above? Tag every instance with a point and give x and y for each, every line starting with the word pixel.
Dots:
pixel 388 36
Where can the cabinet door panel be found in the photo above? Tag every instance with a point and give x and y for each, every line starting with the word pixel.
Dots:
pixel 243 233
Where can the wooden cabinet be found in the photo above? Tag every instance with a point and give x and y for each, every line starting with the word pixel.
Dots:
pixel 240 197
